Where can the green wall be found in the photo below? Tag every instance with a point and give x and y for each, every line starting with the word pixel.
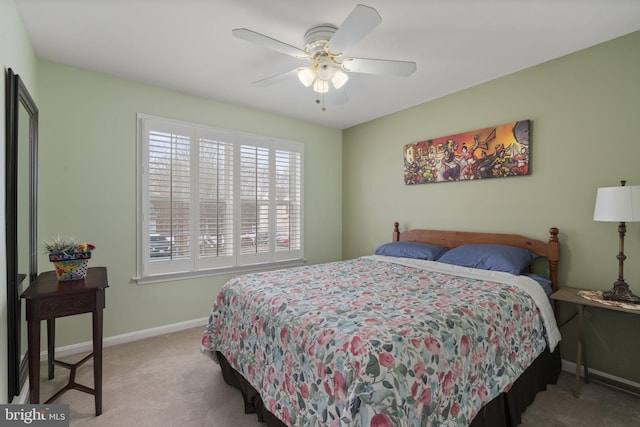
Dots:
pixel 584 110
pixel 16 53
pixel 87 188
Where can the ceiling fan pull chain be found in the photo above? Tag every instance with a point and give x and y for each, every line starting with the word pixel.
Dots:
pixel 318 101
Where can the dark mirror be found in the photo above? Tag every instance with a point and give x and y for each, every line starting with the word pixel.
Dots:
pixel 21 191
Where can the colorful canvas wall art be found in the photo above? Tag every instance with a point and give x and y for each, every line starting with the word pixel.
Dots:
pixel 496 151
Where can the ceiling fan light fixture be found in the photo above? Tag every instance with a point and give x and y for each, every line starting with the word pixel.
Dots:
pixel 306 76
pixel 321 86
pixel 339 79
pixel 325 68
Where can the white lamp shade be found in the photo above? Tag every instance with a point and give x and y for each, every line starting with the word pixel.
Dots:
pixel 306 75
pixel 321 86
pixel 617 204
pixel 339 79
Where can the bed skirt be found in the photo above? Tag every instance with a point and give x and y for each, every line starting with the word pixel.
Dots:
pixel 503 411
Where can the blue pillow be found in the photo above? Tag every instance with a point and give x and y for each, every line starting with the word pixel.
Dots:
pixel 545 282
pixel 411 250
pixel 490 257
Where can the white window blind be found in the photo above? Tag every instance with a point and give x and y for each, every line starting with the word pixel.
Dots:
pixel 254 201
pixel 215 188
pixel 216 200
pixel 288 195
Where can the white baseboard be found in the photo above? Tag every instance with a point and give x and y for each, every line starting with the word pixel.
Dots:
pixel 125 338
pixel 23 397
pixel 631 386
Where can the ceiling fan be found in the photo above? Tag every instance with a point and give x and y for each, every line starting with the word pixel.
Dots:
pixel 324 47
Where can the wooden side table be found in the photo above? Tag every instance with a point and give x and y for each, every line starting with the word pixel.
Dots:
pixel 570 295
pixel 48 299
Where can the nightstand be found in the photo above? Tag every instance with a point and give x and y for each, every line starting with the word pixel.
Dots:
pixel 570 295
pixel 47 299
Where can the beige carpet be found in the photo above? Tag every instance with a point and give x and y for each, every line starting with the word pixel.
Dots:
pixel 166 381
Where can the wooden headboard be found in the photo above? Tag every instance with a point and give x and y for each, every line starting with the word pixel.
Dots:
pixel 451 239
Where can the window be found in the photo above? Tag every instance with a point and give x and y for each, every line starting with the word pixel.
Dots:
pixel 215 200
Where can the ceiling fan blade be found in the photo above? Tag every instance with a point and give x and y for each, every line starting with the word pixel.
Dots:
pixel 268 81
pixel 358 24
pixel 271 43
pixel 379 66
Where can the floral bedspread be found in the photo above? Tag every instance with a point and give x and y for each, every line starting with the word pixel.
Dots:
pixel 373 343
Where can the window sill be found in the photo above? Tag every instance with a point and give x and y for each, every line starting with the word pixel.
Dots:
pixel 172 277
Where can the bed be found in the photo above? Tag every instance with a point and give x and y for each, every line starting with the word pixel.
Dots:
pixel 435 328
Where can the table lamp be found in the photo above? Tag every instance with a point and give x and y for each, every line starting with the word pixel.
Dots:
pixel 619 204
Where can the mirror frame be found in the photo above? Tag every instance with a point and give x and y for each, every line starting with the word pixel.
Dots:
pixel 18 96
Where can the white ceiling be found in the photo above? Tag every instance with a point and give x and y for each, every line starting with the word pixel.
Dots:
pixel 186 45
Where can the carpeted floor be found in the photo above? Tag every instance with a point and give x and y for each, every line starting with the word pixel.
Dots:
pixel 166 381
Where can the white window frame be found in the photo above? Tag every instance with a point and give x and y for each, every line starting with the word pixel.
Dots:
pixel 150 270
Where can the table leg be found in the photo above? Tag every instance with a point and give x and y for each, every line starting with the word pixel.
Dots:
pixel 97 359
pixel 581 356
pixel 51 346
pixel 584 352
pixel 33 332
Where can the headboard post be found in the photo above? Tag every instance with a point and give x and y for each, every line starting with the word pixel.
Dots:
pixel 395 237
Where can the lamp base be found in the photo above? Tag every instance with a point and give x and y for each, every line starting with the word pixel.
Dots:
pixel 621 292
